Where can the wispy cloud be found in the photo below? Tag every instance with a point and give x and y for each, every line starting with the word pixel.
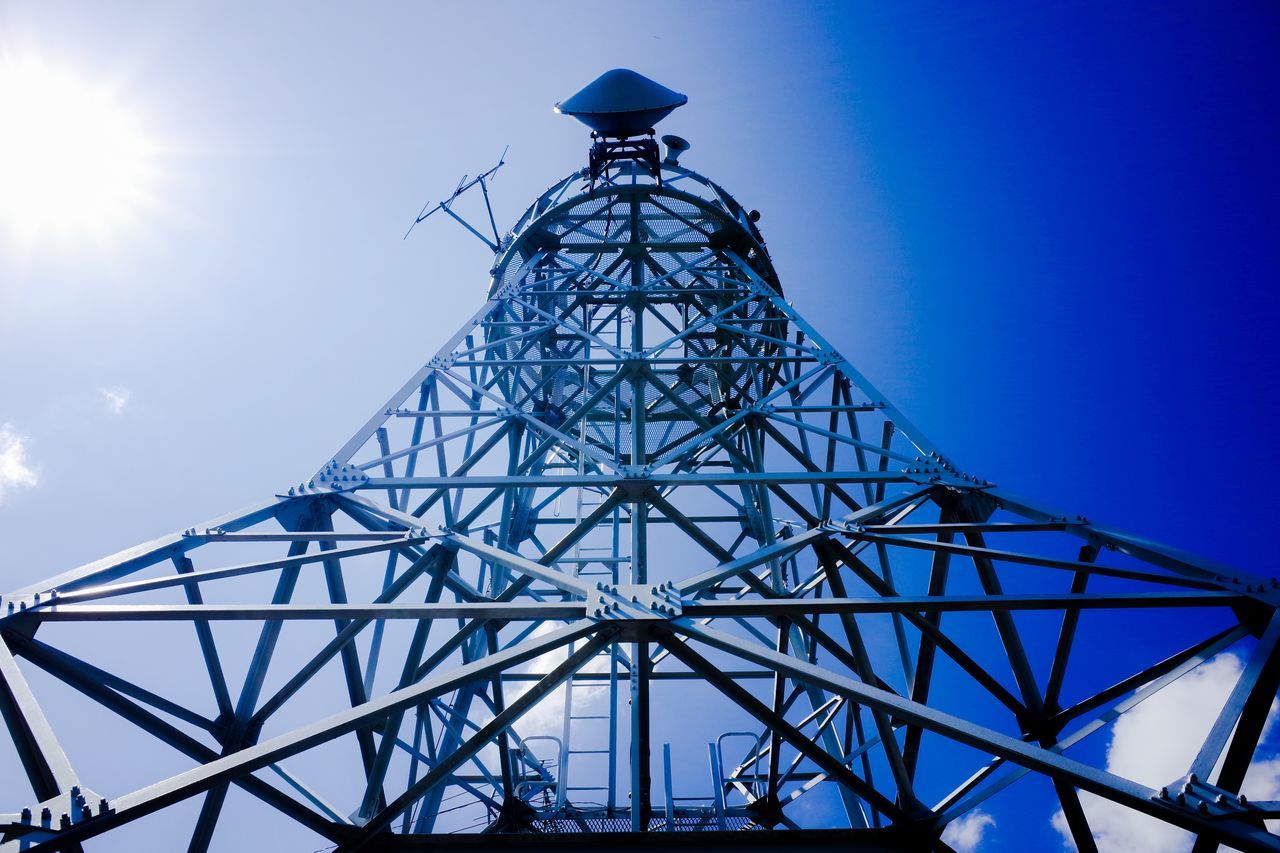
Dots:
pixel 1154 744
pixel 15 470
pixel 964 834
pixel 116 399
pixel 547 716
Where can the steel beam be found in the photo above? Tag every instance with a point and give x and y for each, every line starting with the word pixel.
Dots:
pixel 42 757
pixel 1081 775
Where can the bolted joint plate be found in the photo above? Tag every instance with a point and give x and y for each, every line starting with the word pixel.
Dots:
pixel 1196 795
pixel 46 818
pixel 340 478
pixel 331 478
pixel 636 482
pixel 625 602
pixel 930 473
pixel 17 605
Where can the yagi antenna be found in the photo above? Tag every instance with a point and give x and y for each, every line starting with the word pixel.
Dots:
pixel 464 185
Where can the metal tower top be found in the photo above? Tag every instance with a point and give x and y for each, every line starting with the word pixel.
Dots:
pixel 621 107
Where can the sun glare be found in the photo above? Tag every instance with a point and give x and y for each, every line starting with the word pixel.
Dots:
pixel 74 161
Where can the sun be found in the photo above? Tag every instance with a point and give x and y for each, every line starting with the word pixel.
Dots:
pixel 74 161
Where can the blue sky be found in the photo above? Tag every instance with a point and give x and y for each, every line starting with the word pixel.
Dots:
pixel 1046 231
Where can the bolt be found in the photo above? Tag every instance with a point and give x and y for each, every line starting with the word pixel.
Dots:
pixel 1244 801
pixel 75 790
pixel 65 822
pixel 1164 793
pixel 1221 799
pixel 1182 799
pixel 26 815
pixel 46 815
pixel 1203 807
pixel 1193 778
pixel 102 805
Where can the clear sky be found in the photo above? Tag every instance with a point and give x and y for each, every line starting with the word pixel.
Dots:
pixel 1047 231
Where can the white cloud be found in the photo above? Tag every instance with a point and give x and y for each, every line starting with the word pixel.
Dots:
pixel 547 716
pixel 1154 744
pixel 116 399
pixel 1262 781
pixel 15 471
pixel 965 834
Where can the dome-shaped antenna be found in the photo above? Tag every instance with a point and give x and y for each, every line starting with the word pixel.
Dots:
pixel 621 103
pixel 619 106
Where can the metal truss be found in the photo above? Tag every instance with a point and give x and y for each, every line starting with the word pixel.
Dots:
pixel 636 493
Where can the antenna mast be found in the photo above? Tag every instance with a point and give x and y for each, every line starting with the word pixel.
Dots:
pixel 480 180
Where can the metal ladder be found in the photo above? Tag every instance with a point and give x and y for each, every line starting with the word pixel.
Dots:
pixel 595 555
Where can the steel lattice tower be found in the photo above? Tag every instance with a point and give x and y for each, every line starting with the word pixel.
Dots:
pixel 637 502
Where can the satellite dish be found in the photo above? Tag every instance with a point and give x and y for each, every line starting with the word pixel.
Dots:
pixel 621 103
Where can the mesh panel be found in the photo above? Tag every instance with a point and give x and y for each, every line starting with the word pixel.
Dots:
pixel 586 294
pixel 693 823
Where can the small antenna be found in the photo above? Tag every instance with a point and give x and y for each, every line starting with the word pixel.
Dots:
pixel 464 185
